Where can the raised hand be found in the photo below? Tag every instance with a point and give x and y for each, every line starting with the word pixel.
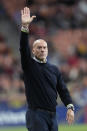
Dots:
pixel 25 17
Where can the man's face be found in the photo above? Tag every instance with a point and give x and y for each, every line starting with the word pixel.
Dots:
pixel 40 49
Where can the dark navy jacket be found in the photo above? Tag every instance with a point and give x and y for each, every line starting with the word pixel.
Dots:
pixel 43 81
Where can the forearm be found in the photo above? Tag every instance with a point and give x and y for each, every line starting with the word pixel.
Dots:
pixel 65 96
pixel 24 39
pixel 63 91
pixel 24 47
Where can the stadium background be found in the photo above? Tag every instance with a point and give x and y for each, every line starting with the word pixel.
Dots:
pixel 63 24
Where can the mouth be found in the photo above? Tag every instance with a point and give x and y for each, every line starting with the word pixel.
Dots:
pixel 43 55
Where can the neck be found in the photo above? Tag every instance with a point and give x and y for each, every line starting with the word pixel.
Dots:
pixel 40 60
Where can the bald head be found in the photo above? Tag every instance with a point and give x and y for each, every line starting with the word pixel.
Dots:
pixel 39 41
pixel 40 49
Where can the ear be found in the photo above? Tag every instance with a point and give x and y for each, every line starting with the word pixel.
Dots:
pixel 33 51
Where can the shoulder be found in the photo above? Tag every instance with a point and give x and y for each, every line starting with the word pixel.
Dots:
pixel 54 67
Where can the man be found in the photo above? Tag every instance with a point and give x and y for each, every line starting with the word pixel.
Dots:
pixel 43 82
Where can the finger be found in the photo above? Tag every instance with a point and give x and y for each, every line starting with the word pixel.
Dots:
pixel 67 117
pixel 27 10
pixel 21 12
pixel 33 17
pixel 70 120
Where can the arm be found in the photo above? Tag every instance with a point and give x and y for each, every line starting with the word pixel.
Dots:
pixel 63 91
pixel 24 50
pixel 66 98
pixel 24 40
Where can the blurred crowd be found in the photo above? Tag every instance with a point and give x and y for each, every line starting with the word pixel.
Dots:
pixel 62 23
pixel 11 77
pixel 51 13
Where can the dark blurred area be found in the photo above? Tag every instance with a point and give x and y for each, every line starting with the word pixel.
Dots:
pixel 63 24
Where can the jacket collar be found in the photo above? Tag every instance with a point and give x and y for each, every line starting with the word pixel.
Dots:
pixel 39 60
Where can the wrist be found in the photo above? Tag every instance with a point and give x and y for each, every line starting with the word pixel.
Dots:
pixel 25 29
pixel 70 106
pixel 25 25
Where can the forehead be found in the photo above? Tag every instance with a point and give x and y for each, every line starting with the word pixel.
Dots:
pixel 39 42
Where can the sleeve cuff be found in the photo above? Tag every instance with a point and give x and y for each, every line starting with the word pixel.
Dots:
pixel 25 29
pixel 70 106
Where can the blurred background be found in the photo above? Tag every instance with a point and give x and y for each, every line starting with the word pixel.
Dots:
pixel 63 24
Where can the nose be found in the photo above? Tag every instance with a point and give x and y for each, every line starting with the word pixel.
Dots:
pixel 42 49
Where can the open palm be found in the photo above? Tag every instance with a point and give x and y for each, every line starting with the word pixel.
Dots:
pixel 25 16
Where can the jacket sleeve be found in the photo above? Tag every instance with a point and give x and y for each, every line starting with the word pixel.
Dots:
pixel 63 91
pixel 25 50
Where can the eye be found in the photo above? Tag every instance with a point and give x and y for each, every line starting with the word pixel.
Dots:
pixel 45 47
pixel 39 47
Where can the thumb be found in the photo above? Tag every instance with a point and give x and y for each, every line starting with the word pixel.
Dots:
pixel 33 17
